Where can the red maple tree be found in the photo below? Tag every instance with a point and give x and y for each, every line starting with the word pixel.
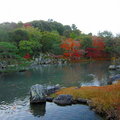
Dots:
pixel 71 48
pixel 98 50
pixel 27 56
pixel 98 43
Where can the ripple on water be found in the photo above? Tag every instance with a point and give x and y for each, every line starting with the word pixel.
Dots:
pixel 14 88
pixel 22 110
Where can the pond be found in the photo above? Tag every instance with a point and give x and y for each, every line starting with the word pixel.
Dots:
pixel 14 91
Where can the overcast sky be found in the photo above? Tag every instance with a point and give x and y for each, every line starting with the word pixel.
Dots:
pixel 88 15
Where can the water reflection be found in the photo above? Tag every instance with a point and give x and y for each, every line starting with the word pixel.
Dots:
pixel 73 112
pixel 14 90
pixel 38 109
pixel 17 85
pixel 22 110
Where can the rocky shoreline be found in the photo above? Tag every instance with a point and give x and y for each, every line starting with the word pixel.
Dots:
pixel 40 95
pixel 42 59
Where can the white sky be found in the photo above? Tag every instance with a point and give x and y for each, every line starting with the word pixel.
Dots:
pixel 88 15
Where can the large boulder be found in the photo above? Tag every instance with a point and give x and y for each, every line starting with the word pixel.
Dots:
pixel 112 67
pixel 116 77
pixel 118 66
pixel 63 100
pixel 37 94
pixel 49 99
pixel 52 89
pixel 82 101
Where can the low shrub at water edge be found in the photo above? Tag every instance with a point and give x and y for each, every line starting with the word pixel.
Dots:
pixel 16 67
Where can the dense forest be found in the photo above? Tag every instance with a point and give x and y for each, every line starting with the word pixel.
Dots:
pixel 28 40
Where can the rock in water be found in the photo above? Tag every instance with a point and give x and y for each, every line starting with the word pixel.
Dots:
pixel 112 67
pixel 37 94
pixel 82 101
pixel 49 99
pixel 118 66
pixel 63 100
pixel 52 89
pixel 116 77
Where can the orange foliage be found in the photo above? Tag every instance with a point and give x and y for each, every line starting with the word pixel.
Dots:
pixel 73 51
pixel 98 43
pixel 98 50
pixel 70 44
pixel 72 47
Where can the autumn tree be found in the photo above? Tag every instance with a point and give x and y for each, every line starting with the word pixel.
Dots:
pixel 98 50
pixel 98 43
pixel 71 47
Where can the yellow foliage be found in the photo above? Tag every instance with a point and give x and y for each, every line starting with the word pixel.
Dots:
pixel 104 98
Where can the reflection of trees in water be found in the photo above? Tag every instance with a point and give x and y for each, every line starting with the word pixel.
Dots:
pixel 38 109
pixel 71 74
pixel 18 84
pixel 76 74
pixel 100 70
pixel 85 73
pixel 48 74
pixel 97 69
pixel 87 78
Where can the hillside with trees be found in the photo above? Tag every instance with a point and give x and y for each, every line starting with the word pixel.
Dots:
pixel 28 40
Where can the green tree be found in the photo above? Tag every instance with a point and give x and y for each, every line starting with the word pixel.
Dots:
pixel 67 31
pixel 4 36
pixel 74 27
pixel 30 47
pixel 48 40
pixel 34 34
pixel 27 40
pixel 109 42
pixel 75 32
pixel 41 25
pixel 56 49
pixel 117 45
pixel 49 26
pixel 105 34
pixel 86 41
pixel 17 35
pixel 7 26
pixel 8 52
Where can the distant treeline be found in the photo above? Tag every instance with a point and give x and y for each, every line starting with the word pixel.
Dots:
pixel 54 37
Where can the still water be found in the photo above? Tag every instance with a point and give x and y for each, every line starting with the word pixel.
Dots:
pixel 14 91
